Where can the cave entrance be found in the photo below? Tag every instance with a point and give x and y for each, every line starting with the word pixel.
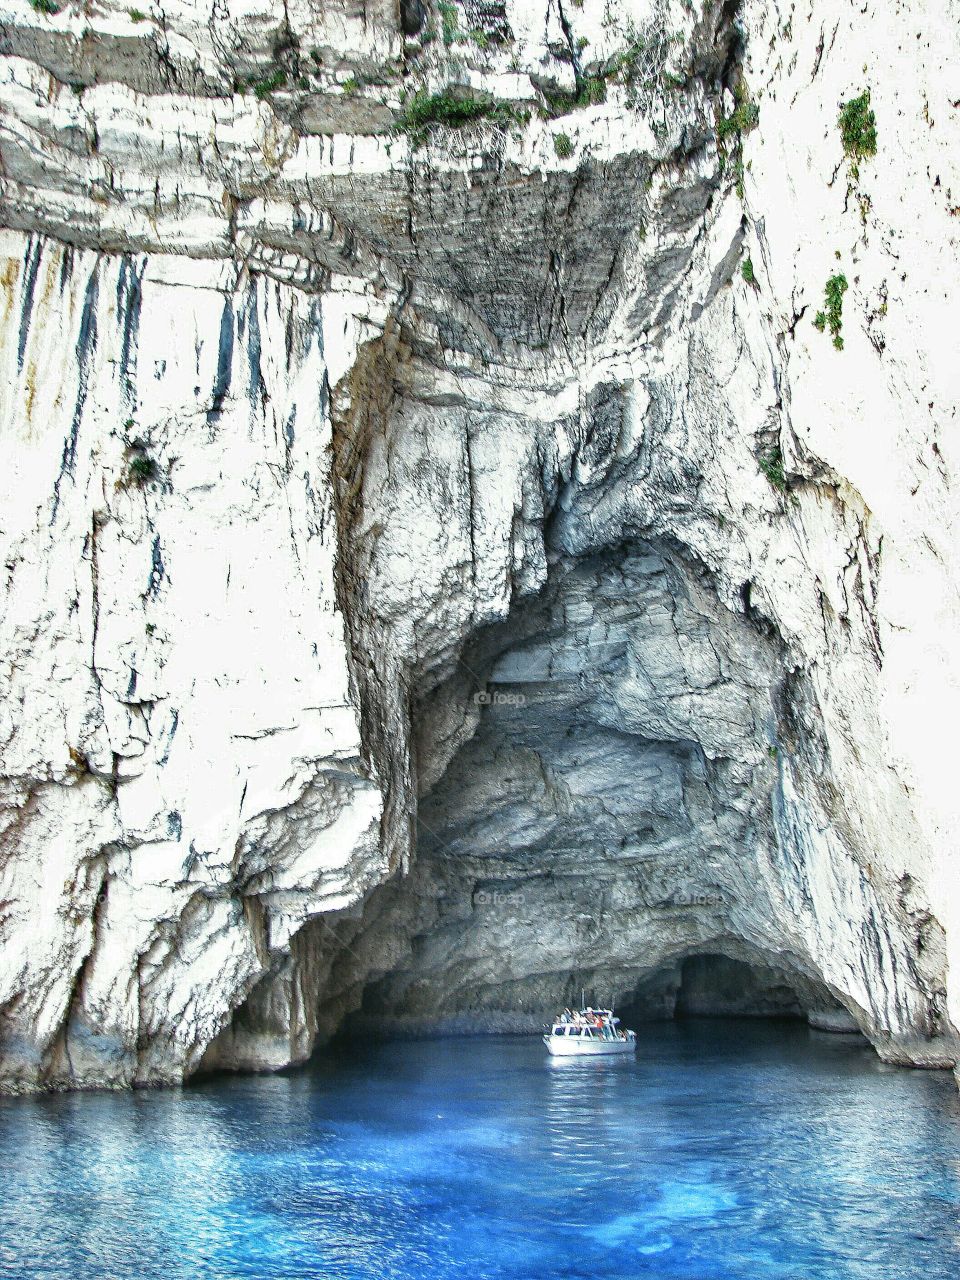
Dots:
pixel 714 985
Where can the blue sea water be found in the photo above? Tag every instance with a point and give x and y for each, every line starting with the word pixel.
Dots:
pixel 728 1149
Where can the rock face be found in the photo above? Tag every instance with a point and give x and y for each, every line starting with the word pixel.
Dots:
pixel 445 563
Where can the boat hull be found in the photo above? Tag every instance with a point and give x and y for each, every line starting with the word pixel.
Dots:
pixel 574 1047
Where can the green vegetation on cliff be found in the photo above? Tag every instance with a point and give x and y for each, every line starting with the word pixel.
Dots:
pixel 832 317
pixel 858 130
pixel 423 112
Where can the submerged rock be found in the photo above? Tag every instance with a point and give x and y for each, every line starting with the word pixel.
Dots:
pixel 446 563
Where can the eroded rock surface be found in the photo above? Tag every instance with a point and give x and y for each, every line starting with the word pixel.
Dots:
pixel 447 565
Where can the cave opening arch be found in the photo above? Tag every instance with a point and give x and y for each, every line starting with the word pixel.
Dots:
pixel 729 980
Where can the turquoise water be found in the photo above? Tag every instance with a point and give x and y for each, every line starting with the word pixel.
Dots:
pixel 726 1150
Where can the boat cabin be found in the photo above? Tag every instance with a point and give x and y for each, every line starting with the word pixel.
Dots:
pixel 569 1030
pixel 588 1024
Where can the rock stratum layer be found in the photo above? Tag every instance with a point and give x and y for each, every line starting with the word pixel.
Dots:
pixel 445 563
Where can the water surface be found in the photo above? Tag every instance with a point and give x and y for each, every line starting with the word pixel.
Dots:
pixel 728 1149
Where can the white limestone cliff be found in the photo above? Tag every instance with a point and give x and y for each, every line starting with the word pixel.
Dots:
pixel 435 573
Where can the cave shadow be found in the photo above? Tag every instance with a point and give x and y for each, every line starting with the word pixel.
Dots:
pixel 714 985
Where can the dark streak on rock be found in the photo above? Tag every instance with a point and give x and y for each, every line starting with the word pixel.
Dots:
pixel 129 302
pixel 174 722
pixel 66 267
pixel 157 571
pixel 86 346
pixel 256 389
pixel 224 360
pixel 31 267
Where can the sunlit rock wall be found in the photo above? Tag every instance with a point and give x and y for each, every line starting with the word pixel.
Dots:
pixel 436 573
pixel 184 783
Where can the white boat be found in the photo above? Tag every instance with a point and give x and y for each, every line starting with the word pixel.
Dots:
pixel 590 1033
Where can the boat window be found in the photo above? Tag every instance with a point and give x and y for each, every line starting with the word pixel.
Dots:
pixel 558 1031
pixel 574 1031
